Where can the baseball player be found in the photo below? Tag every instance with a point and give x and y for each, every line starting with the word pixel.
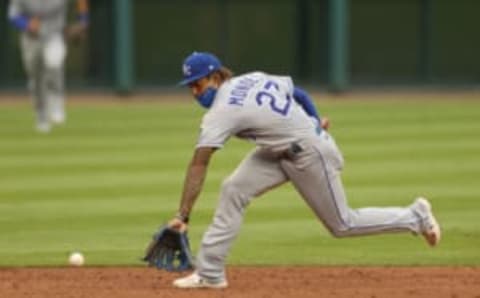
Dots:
pixel 42 26
pixel 292 144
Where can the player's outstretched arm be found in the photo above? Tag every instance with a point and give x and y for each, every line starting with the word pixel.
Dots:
pixel 195 177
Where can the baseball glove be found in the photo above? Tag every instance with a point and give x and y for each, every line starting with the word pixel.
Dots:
pixel 76 33
pixel 169 250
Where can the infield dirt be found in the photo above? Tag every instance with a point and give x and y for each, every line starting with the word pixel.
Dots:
pixel 122 282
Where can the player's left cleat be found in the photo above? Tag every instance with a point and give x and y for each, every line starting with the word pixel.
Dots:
pixel 195 281
pixel 431 229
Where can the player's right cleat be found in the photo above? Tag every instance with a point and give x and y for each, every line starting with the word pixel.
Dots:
pixel 195 281
pixel 431 229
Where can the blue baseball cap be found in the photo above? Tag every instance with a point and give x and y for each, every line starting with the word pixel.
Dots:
pixel 198 65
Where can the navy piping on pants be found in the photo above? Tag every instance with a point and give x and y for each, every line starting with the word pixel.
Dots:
pixel 337 209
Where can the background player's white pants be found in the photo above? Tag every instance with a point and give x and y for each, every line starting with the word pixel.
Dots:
pixel 315 173
pixel 43 60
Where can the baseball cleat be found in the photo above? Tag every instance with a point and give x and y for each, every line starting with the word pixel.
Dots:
pixel 57 118
pixel 195 281
pixel 43 127
pixel 431 229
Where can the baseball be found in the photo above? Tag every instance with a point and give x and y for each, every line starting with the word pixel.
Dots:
pixel 76 259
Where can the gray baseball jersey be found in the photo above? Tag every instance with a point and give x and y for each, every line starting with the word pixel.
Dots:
pixel 260 107
pixel 52 13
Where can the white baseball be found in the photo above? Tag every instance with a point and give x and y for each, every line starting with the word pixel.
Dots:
pixel 76 259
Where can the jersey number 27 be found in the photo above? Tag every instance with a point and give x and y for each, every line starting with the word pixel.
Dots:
pixel 278 105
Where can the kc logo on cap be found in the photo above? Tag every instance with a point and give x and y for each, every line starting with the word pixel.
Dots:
pixel 187 70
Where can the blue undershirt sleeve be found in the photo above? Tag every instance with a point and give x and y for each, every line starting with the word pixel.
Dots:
pixel 20 22
pixel 304 100
pixel 84 18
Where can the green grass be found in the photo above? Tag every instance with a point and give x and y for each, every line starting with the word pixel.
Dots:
pixel 105 181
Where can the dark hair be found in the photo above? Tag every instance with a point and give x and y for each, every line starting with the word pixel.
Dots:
pixel 223 73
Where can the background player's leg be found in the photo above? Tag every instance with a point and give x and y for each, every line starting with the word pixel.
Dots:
pixel 256 174
pixel 320 185
pixel 54 56
pixel 31 56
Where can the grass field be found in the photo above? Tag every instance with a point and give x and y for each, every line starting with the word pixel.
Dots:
pixel 104 182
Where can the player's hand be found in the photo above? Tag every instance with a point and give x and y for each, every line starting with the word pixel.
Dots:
pixel 169 250
pixel 325 123
pixel 33 27
pixel 177 225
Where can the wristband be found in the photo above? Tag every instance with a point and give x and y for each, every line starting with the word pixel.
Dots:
pixel 20 22
pixel 182 217
pixel 84 18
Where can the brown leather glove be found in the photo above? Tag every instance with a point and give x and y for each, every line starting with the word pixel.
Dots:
pixel 76 32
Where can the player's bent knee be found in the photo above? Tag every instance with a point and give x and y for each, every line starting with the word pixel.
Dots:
pixel 229 186
pixel 233 194
pixel 340 231
pixel 339 234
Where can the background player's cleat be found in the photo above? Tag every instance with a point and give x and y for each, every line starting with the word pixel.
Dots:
pixel 43 127
pixel 57 111
pixel 194 281
pixel 431 229
pixel 57 118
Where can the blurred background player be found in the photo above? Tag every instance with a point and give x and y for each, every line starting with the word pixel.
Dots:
pixel 42 42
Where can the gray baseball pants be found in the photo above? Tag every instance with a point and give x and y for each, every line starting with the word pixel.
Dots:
pixel 43 60
pixel 315 173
